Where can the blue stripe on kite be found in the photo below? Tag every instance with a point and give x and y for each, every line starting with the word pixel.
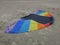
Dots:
pixel 25 26
pixel 39 12
pixel 17 26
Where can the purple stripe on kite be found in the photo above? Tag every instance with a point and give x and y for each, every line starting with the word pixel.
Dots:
pixel 17 26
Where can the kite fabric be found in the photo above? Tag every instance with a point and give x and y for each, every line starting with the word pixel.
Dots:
pixel 35 21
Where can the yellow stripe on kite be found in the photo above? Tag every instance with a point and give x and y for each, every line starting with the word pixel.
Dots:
pixel 44 14
pixel 33 26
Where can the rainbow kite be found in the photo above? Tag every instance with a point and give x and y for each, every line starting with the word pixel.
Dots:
pixel 35 21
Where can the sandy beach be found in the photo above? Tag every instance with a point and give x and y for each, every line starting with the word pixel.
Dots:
pixel 12 10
